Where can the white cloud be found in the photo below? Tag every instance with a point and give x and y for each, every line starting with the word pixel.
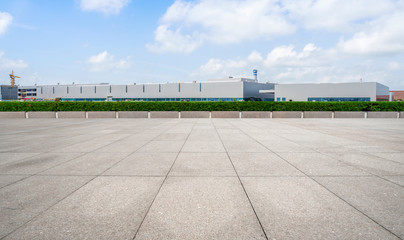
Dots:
pixel 287 56
pixel 219 22
pixel 105 6
pixel 9 64
pixel 170 41
pixel 283 64
pixel 382 36
pixel 335 15
pixel 225 66
pixel 106 62
pixel 5 21
pixel 255 56
pixel 186 25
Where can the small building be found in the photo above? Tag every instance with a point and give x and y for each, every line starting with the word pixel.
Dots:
pixel 397 95
pixel 26 92
pixel 322 92
pixel 8 92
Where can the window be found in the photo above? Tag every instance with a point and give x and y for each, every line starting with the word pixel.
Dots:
pixel 53 90
pixel 179 87
pixel 126 89
pixel 159 87
pixel 143 87
pixel 81 89
pixel 67 90
pixel 200 87
pixel 338 99
pixel 278 99
pixel 283 99
pixel 95 89
pixel 110 88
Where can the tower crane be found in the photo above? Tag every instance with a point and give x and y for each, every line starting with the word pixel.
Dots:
pixel 12 78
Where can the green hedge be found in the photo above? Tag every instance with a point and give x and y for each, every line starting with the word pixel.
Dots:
pixel 201 106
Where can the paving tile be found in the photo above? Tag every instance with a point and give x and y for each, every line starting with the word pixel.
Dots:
pixel 9 179
pixel 244 146
pixel 144 164
pixel 202 198
pixel 203 135
pixel 172 137
pixel 88 164
pixel 203 146
pixel 299 208
pixel 162 146
pixel 202 164
pixel 22 201
pixel 397 157
pixel 262 164
pixel 320 164
pixel 285 146
pixel 6 158
pixel 37 163
pixel 396 179
pixel 106 208
pixel 371 164
pixel 201 208
pixel 121 146
pixel 91 145
pixel 377 198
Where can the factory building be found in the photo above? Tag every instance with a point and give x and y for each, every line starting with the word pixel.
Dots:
pixel 229 89
pixel 321 92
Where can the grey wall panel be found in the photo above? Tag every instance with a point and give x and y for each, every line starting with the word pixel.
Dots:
pixel 101 114
pixel 382 114
pixel 164 114
pixel 72 114
pixel 195 114
pixel 349 114
pixel 315 114
pixel 254 114
pixel 225 114
pixel 282 114
pixel 251 89
pixel 301 92
pixel 133 114
pixel 12 114
pixel 41 114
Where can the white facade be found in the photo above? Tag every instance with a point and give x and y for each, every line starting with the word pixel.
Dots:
pixel 370 91
pixel 225 90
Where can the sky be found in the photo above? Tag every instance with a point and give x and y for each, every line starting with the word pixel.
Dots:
pixel 137 41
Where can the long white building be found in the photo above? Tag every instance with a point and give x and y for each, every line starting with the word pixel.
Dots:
pixel 231 89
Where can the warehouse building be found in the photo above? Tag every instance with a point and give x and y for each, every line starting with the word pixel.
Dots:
pixel 228 89
pixel 321 92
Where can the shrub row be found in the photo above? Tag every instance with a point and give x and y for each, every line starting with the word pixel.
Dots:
pixel 201 106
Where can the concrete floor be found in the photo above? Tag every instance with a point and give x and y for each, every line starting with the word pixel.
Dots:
pixel 202 179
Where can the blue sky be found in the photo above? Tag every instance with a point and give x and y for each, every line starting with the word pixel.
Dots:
pixel 127 41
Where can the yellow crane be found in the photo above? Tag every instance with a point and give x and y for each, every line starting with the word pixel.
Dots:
pixel 12 78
